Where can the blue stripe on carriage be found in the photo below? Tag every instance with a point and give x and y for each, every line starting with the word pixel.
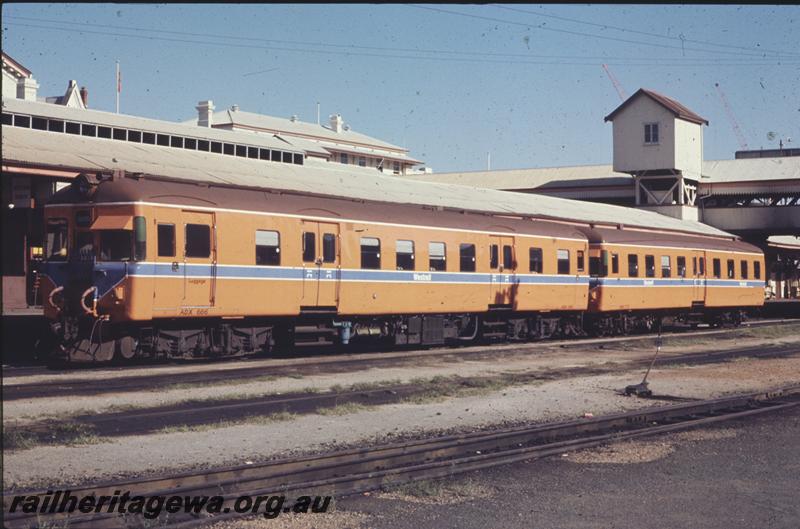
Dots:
pixel 677 282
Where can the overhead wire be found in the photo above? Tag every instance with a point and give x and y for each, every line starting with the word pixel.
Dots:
pixel 582 34
pixel 560 60
pixel 645 33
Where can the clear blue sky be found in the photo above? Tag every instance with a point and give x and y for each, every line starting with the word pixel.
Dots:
pixel 449 82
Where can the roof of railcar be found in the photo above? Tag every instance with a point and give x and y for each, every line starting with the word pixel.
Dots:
pixel 54 150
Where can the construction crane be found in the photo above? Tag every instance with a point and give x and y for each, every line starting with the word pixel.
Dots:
pixel 617 86
pixel 732 118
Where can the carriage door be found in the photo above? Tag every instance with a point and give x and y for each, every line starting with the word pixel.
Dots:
pixel 321 264
pixel 199 261
pixel 502 279
pixel 698 275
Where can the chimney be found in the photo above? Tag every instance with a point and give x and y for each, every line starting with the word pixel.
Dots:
pixel 337 123
pixel 205 113
pixel 85 96
pixel 27 88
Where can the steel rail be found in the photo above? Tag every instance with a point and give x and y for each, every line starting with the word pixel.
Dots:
pixel 134 382
pixel 349 471
pixel 152 419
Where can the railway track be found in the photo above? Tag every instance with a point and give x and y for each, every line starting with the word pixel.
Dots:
pixel 147 420
pixel 351 471
pixel 256 368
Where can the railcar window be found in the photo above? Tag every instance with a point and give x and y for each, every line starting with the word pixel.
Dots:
pixel 666 269
pixel 57 240
pixel 702 262
pixel 116 245
pixel 198 240
pixel 405 255
pixel 84 242
pixel 731 269
pixel 268 248
pixel 309 246
pixel 744 270
pixel 579 259
pixel 594 267
pixel 615 263
pixel 466 254
pixel 328 248
pixel 717 268
pixel 370 253
pixel 694 266
pixel 563 261
pixel 633 265
pixel 437 258
pixel 649 266
pixel 536 260
pixel 508 257
pixel 756 270
pixel 166 240
pixel 494 260
pixel 681 266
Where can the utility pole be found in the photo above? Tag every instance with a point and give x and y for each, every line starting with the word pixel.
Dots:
pixel 119 85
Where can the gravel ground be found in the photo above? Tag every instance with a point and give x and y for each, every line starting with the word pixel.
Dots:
pixel 548 401
pixel 28 410
pixel 741 476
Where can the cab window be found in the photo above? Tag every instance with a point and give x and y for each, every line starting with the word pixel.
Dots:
pixel 116 245
pixel 57 238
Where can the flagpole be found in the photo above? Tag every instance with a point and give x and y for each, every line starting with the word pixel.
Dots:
pixel 118 83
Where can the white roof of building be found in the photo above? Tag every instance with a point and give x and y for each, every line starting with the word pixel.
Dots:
pixel 54 150
pixel 272 123
pixel 714 172
pixel 111 119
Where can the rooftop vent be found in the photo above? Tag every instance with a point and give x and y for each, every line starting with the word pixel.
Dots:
pixel 205 112
pixel 337 123
pixel 235 108
pixel 293 118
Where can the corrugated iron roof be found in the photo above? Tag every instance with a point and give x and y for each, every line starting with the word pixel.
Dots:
pixel 752 170
pixel 52 150
pixel 670 104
